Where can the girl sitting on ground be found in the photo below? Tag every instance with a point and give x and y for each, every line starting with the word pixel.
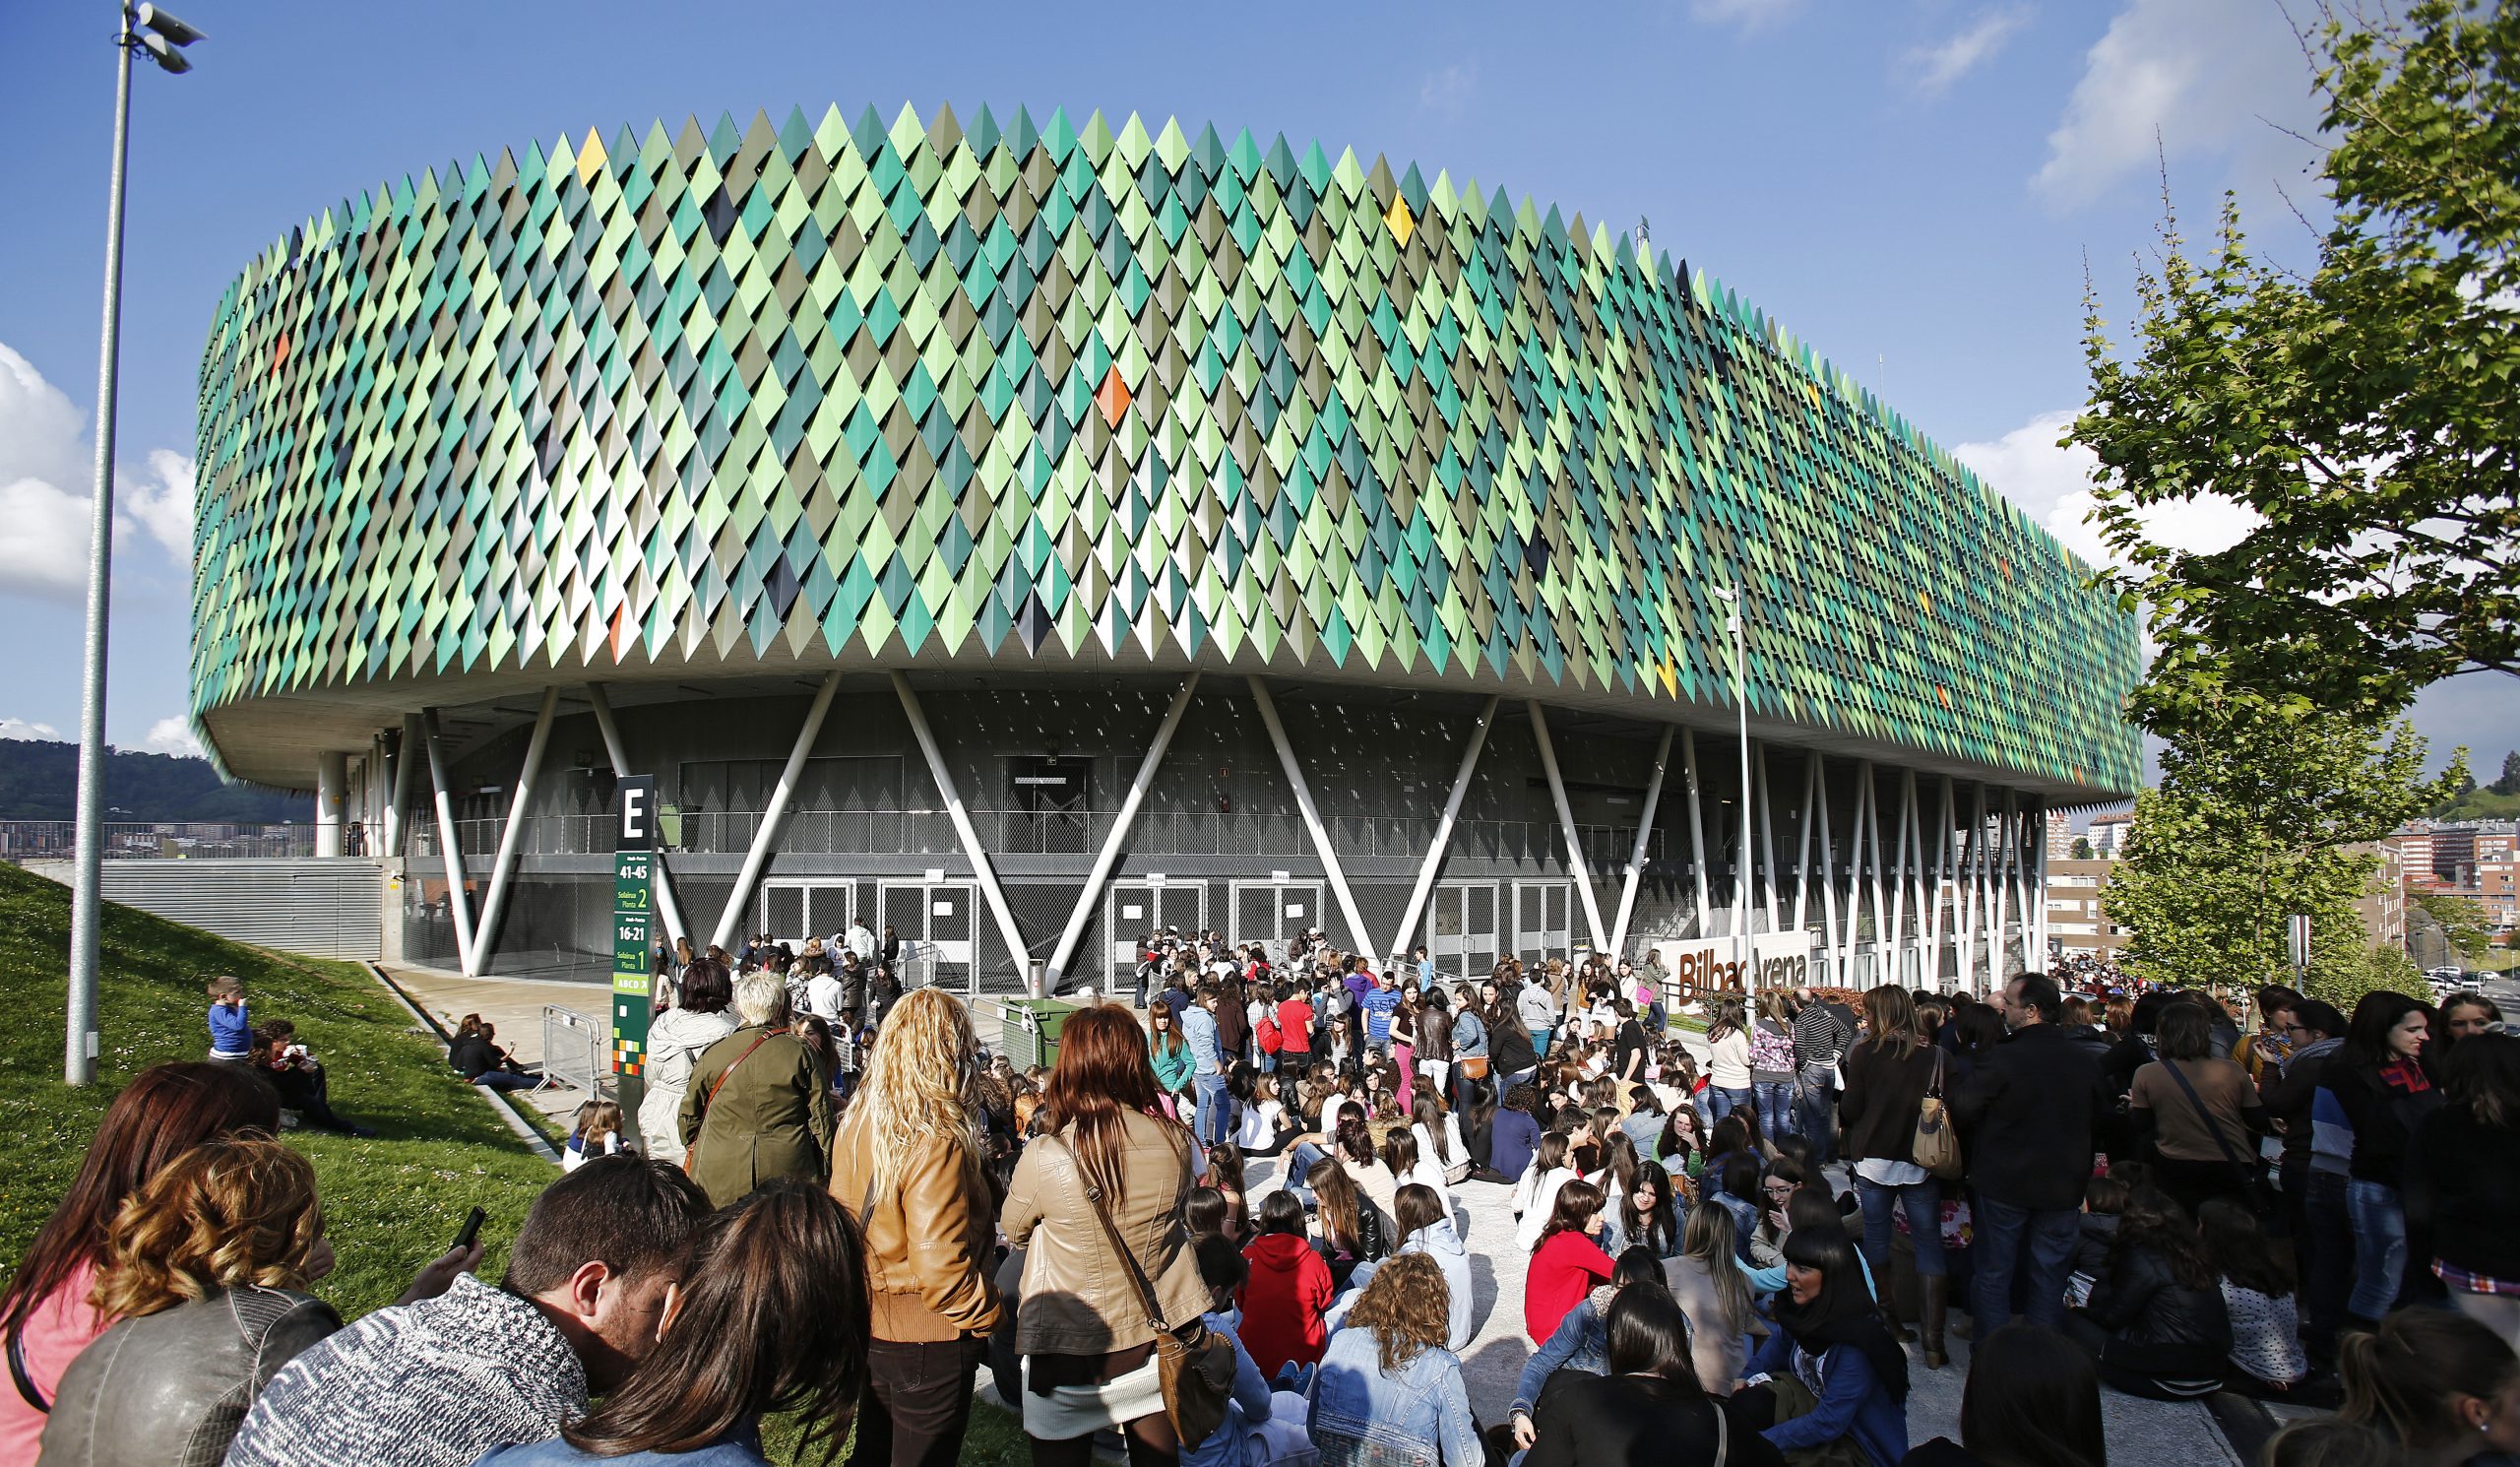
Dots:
pixel 596 1132
pixel 2267 1352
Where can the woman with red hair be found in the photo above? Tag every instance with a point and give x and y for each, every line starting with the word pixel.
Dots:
pixel 1095 1204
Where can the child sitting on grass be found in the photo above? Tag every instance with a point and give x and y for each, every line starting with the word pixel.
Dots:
pixel 597 1133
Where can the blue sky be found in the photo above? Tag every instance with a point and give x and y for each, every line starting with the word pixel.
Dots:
pixel 1913 186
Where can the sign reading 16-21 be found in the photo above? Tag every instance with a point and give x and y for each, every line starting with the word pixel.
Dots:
pixel 633 869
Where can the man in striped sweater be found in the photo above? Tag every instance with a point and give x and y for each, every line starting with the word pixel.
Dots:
pixel 1820 1037
pixel 439 1383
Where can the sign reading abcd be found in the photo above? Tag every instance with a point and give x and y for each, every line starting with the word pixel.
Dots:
pixel 633 875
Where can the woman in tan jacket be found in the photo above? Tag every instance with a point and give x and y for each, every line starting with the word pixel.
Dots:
pixel 1082 1325
pixel 908 1163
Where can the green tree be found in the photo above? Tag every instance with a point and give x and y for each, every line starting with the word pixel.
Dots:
pixel 2366 412
pixel 2265 811
pixel 2082 847
pixel 2462 921
pixel 2509 784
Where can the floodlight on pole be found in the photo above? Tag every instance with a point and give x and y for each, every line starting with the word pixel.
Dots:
pixel 1734 607
pixel 162 36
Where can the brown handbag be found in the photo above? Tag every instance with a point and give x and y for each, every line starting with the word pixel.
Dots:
pixel 1937 1145
pixel 1194 1363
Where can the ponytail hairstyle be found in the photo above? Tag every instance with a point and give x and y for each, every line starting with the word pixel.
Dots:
pixel 2410 1376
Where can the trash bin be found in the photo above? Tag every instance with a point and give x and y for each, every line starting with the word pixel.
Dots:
pixel 1031 1032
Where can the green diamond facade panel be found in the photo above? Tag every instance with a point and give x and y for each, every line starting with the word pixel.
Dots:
pixel 1000 390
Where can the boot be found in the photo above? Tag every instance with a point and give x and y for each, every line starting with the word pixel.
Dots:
pixel 1936 1288
pixel 1890 1321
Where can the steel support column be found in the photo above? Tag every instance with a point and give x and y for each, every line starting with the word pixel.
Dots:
pixel 1320 833
pixel 1566 821
pixel 773 816
pixel 458 901
pixel 1828 871
pixel 1697 826
pixel 1118 838
pixel 668 908
pixel 1644 836
pixel 1435 861
pixel 973 849
pixel 1767 841
pixel 485 941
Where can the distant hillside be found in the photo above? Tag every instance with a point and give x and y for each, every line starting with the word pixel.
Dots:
pixel 40 782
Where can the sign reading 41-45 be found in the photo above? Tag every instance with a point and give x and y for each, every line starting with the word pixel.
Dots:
pixel 633 917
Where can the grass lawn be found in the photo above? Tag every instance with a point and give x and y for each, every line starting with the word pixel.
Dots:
pixel 391 1204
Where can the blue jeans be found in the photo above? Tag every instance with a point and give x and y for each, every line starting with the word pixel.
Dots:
pixel 1540 1040
pixel 1922 1203
pixel 1210 1089
pixel 1721 1102
pixel 1817 1101
pixel 2002 1229
pixel 1775 1108
pixel 506 1079
pixel 2379 1247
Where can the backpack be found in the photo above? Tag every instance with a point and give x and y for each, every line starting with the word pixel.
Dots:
pixel 1270 1039
pixel 1769 1049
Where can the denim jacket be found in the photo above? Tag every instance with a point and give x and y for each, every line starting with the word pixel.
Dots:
pixel 1854 1403
pixel 1582 1343
pixel 1199 1027
pixel 1417 1415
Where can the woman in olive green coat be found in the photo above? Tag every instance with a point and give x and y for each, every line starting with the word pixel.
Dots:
pixel 759 1105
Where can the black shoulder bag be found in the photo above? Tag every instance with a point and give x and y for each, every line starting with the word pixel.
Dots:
pixel 2251 1178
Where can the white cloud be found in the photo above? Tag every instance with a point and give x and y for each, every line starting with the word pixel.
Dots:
pixel 18 728
pixel 1745 15
pixel 171 735
pixel 1446 92
pixel 2052 485
pixel 1934 68
pixel 46 462
pixel 2181 78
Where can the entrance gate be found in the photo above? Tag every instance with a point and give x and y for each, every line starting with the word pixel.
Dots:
pixel 1273 911
pixel 1133 909
pixel 1462 928
pixel 936 921
pixel 793 909
pixel 1543 919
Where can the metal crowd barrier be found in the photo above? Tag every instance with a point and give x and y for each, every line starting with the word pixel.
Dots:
pixel 575 1050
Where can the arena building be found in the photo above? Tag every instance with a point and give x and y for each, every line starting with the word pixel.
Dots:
pixel 1025 535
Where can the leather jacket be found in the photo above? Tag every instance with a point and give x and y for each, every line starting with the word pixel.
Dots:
pixel 1077 1297
pixel 169 1390
pixel 2157 1326
pixel 930 1240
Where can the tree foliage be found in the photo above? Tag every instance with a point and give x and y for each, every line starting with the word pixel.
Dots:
pixel 2265 811
pixel 2366 414
pixel 2462 921
pixel 40 781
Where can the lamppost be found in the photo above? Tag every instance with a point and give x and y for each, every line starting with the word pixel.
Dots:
pixel 1741 701
pixel 145 27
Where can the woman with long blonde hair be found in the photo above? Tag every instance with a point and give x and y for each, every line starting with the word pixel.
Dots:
pixel 908 1162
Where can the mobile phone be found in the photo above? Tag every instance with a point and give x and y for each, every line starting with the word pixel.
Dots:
pixel 471 1229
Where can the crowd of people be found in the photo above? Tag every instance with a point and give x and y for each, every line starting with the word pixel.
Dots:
pixel 1724 1260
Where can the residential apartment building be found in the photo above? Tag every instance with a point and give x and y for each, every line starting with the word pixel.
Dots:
pixel 2077 923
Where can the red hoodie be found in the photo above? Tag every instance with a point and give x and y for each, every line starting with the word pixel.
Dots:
pixel 1283 1303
